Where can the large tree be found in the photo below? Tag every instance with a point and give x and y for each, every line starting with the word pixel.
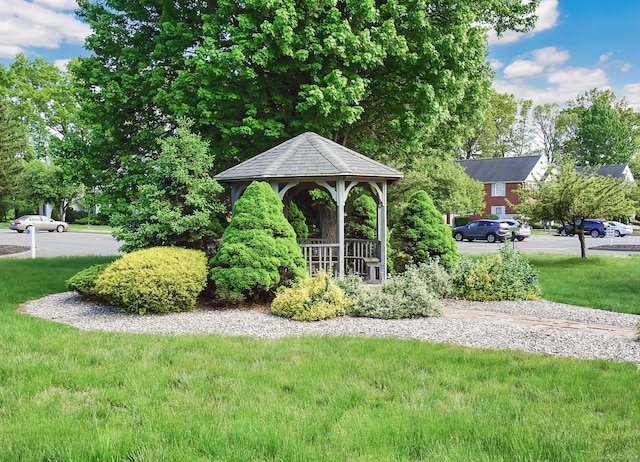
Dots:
pixel 572 196
pixel 13 142
pixel 253 73
pixel 603 130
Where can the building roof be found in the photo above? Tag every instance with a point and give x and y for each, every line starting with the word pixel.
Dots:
pixel 502 169
pixel 614 171
pixel 308 156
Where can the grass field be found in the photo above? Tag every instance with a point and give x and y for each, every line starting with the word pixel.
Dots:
pixel 72 395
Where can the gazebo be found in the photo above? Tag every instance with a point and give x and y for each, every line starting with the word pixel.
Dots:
pixel 309 161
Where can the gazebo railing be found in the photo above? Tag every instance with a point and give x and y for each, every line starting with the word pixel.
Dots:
pixel 320 254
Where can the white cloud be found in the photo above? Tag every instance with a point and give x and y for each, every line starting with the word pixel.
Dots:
pixel 632 93
pixel 626 67
pixel 559 86
pixel 41 23
pixel 496 64
pixel 547 13
pixel 543 60
pixel 522 69
pixel 605 57
pixel 579 77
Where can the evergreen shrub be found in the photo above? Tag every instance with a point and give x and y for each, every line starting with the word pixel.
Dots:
pixel 155 280
pixel 362 221
pixel 258 251
pixel 416 292
pixel 298 221
pixel 507 275
pixel 421 235
pixel 312 299
pixel 84 281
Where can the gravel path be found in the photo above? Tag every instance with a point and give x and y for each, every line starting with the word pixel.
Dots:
pixel 506 331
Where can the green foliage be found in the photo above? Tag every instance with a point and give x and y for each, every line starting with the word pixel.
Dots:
pixel 421 235
pixel 178 204
pixel 84 281
pixel 604 130
pixel 446 183
pixel 44 183
pixel 507 275
pixel 371 74
pixel 298 221
pixel 155 280
pixel 352 286
pixel 13 142
pixel 408 295
pixel 568 195
pixel 312 299
pixel 362 221
pixel 258 251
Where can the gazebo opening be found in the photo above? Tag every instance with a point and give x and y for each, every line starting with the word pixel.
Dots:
pixel 309 162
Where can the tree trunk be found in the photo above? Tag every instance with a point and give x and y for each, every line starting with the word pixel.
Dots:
pixel 583 247
pixel 327 221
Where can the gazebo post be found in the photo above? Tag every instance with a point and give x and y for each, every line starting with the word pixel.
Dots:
pixel 382 230
pixel 340 204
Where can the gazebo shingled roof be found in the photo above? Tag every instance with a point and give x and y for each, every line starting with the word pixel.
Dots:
pixel 310 158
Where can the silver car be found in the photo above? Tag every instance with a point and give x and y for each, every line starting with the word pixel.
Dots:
pixel 26 222
pixel 521 230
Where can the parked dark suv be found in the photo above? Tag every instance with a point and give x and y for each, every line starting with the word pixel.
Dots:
pixel 489 230
pixel 593 228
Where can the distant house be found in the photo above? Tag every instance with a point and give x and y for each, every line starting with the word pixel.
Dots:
pixel 614 171
pixel 501 177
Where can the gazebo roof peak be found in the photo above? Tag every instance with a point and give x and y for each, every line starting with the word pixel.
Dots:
pixel 308 155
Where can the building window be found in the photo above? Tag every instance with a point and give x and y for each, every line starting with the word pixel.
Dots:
pixel 498 211
pixel 498 189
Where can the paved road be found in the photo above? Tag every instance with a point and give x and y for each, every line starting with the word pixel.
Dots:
pixel 62 244
pixel 553 243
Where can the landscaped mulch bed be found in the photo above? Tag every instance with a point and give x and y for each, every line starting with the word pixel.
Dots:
pixel 11 249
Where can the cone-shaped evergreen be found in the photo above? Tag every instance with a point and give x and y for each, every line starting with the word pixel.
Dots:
pixel 258 251
pixel 421 234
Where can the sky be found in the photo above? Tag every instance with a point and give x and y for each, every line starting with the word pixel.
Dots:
pixel 577 45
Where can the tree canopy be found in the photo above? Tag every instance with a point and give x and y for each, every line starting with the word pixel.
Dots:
pixel 571 196
pixel 254 73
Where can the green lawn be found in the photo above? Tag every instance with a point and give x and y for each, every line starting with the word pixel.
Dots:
pixel 72 395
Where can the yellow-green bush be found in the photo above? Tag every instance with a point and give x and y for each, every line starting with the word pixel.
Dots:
pixel 84 281
pixel 312 299
pixel 503 276
pixel 155 280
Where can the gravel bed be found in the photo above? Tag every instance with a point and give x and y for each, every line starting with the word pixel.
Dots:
pixel 70 308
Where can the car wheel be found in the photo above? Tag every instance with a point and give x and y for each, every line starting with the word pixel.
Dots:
pixel 60 228
pixel 29 229
pixel 563 232
pixel 20 230
pixel 617 233
pixel 491 238
pixel 520 239
pixel 458 237
pixel 595 233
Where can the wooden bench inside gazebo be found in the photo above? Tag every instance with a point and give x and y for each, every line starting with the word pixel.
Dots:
pixel 310 161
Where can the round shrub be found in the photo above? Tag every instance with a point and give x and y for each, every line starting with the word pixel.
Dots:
pixel 312 299
pixel 155 280
pixel 507 275
pixel 84 281
pixel 414 293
